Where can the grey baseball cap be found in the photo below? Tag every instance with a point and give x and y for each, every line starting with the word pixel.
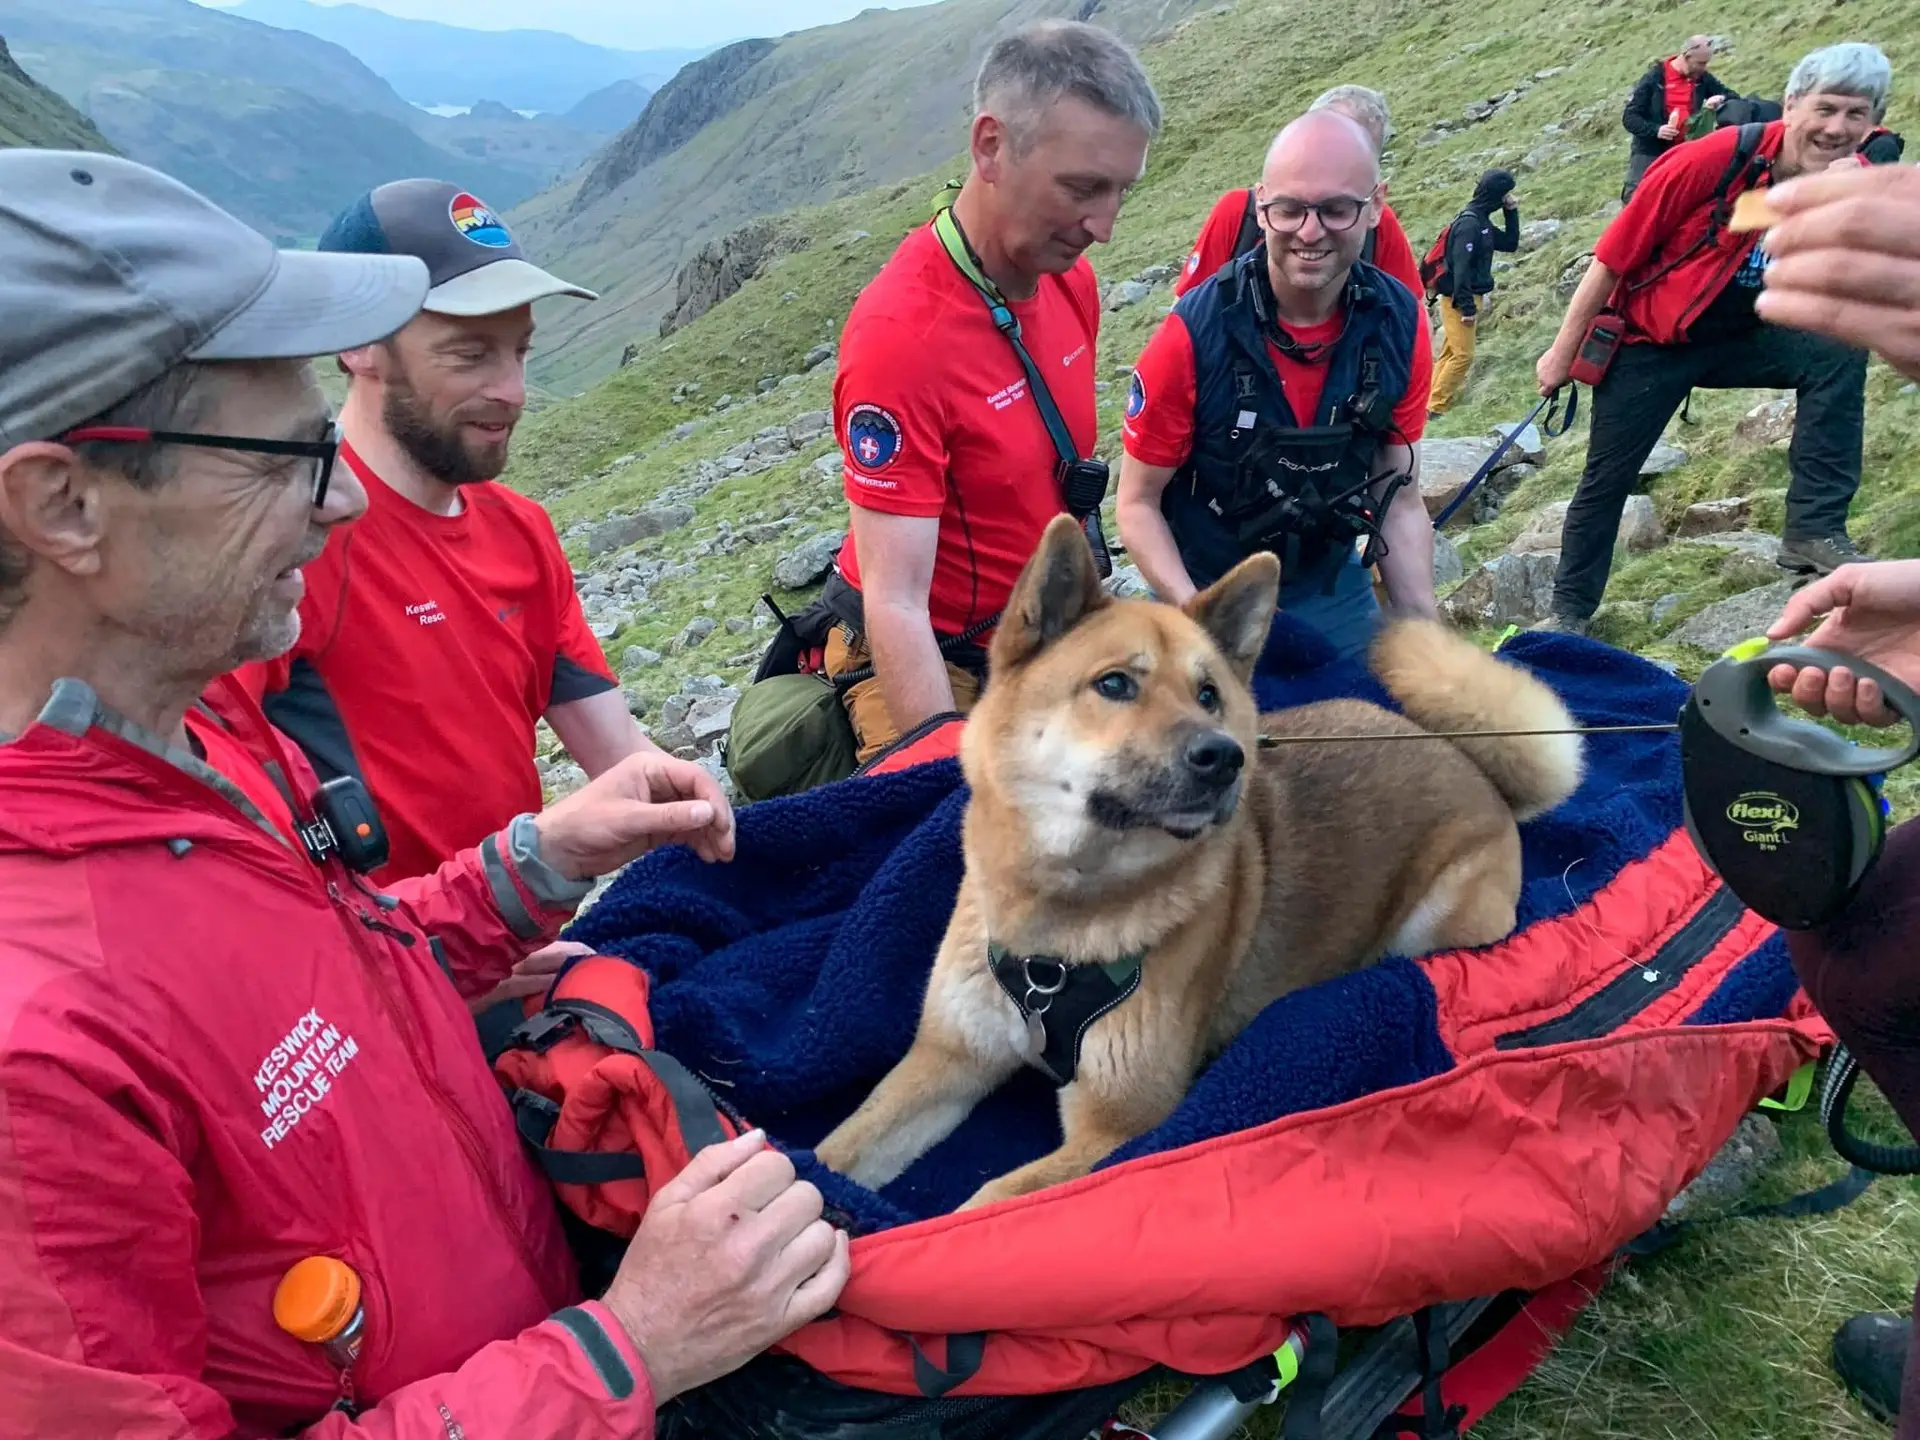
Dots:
pixel 112 273
pixel 476 265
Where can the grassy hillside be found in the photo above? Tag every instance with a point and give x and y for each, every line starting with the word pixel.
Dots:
pixel 31 114
pixel 826 112
pixel 1726 1336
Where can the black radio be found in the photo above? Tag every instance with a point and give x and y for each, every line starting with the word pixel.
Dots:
pixel 347 825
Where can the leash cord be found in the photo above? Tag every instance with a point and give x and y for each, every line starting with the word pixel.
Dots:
pixel 1271 742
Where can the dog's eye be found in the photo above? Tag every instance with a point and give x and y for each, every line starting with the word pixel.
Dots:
pixel 1117 685
pixel 1208 697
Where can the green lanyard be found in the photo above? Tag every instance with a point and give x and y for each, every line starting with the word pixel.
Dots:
pixel 1004 320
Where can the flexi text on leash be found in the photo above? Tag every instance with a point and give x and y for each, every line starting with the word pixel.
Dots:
pixel 1788 813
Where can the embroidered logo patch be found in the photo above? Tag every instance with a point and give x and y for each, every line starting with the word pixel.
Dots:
pixel 479 224
pixel 1136 396
pixel 1193 262
pixel 873 437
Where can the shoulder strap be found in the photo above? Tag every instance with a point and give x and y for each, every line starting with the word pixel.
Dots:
pixel 1004 320
pixel 1249 228
pixel 1741 167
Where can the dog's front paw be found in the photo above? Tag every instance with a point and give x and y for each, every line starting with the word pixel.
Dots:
pixel 837 1153
pixel 994 1191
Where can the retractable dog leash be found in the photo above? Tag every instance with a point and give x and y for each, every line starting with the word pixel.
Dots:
pixel 1557 423
pixel 1788 813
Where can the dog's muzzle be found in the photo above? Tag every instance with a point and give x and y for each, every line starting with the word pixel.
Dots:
pixel 1198 788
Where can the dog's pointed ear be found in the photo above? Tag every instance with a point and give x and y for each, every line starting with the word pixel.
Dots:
pixel 1237 609
pixel 1055 592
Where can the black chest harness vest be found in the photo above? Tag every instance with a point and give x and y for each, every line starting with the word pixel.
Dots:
pixel 1058 1001
pixel 1262 477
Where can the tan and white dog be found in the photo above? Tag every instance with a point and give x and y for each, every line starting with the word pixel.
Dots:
pixel 1123 814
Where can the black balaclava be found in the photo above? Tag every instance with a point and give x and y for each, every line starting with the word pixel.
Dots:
pixel 1494 187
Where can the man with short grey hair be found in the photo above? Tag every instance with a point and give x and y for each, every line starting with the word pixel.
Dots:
pixel 1674 287
pixel 225 1057
pixel 1666 98
pixel 964 434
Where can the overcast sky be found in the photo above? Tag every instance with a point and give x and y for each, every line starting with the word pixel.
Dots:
pixel 637 24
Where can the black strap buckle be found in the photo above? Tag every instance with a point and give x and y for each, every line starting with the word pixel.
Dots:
pixel 540 1033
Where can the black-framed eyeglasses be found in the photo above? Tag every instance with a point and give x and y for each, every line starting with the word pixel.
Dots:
pixel 321 452
pixel 1336 213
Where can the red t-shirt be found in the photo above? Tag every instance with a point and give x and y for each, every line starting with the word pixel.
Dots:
pixel 934 418
pixel 1159 425
pixel 1679 94
pixel 234 761
pixel 429 647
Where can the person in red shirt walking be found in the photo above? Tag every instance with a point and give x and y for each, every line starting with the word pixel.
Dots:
pixel 1278 406
pixel 953 467
pixel 1665 99
pixel 440 628
pixel 1679 287
pixel 223 1053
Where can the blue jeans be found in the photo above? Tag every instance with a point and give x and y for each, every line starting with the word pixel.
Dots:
pixel 1347 617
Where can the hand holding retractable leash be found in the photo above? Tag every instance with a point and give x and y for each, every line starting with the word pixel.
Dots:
pixel 1872 611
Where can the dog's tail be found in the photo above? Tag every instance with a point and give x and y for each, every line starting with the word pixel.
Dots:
pixel 1445 682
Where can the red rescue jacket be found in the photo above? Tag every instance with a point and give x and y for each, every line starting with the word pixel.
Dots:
pixel 218 1057
pixel 1670 245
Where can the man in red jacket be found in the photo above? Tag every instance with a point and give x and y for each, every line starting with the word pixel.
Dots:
pixel 221 1050
pixel 1682 285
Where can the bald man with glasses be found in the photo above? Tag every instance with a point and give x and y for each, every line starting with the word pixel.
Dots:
pixel 1278 406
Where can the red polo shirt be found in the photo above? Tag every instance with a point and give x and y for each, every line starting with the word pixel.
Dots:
pixel 1159 425
pixel 935 419
pixel 1680 88
pixel 429 647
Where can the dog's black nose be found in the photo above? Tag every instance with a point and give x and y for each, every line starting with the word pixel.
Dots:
pixel 1214 755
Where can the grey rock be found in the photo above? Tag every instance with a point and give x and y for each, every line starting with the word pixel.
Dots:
pixel 767 384
pixel 636 702
pixel 1910 388
pixel 1754 544
pixel 818 356
pixel 603 629
pixel 1127 583
pixel 1447 566
pixel 1158 274
pixel 830 463
pixel 852 237
pixel 1730 621
pixel 1542 532
pixel 716 767
pixel 1551 152
pixel 1529 446
pixel 787 297
pixel 1640 524
pixel 732 464
pixel 674 738
pixel 1509 590
pixel 736 626
pixel 1749 1153
pixel 1571 277
pixel 695 633
pixel 1663 607
pixel 675 710
pixel 1536 233
pixel 724 402
pixel 639 657
pixel 594 586
pixel 1714 517
pixel 808 563
pixel 624 530
pixel 1768 423
pixel 710 685
pixel 1478 110
pixel 1665 457
pixel 1550 72
pixel 772 445
pixel 566 778
pixel 1127 292
pixel 709 716
pixel 809 425
pixel 1445 468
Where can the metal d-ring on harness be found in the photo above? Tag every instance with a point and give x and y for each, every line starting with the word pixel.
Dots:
pixel 1058 1001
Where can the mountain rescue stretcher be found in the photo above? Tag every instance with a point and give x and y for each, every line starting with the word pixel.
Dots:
pixel 1448 1153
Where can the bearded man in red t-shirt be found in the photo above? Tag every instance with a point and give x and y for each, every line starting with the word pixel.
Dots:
pixel 952 469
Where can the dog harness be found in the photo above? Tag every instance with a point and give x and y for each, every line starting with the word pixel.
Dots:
pixel 1058 1001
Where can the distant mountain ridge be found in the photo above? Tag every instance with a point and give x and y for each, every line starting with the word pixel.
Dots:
pixel 281 127
pixel 31 114
pixel 435 64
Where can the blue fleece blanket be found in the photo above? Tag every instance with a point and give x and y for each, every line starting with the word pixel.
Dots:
pixel 792 978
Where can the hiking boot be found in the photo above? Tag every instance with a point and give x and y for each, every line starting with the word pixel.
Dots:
pixel 1869 1355
pixel 1565 625
pixel 1822 556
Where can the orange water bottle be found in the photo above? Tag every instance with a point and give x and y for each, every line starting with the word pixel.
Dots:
pixel 318 1301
